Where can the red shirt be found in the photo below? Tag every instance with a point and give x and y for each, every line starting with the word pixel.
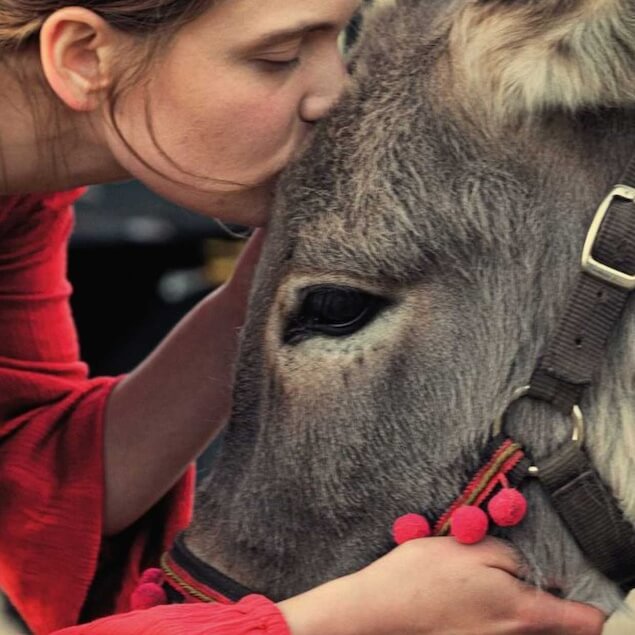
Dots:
pixel 54 564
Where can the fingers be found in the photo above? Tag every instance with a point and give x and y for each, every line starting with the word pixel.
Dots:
pixel 500 555
pixel 540 611
pixel 561 617
pixel 491 552
pixel 544 612
pixel 583 619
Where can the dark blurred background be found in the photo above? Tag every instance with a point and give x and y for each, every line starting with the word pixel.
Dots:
pixel 137 264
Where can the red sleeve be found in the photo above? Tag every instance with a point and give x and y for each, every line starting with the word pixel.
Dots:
pixel 51 438
pixel 254 615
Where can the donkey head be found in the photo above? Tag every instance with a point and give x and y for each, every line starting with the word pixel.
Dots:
pixel 420 257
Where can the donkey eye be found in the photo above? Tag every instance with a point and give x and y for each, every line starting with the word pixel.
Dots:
pixel 332 310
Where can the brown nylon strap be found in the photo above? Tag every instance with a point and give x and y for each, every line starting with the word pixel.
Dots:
pixel 572 359
pixel 588 509
pixel 628 178
pixel 582 500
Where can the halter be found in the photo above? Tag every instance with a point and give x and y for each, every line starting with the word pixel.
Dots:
pixel 569 365
pixel 185 579
pixel 583 501
pixel 188 579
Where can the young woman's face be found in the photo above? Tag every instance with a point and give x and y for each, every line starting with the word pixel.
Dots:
pixel 232 101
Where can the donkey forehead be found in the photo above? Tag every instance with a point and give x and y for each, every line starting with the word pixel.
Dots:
pixel 385 193
pixel 414 167
pixel 354 201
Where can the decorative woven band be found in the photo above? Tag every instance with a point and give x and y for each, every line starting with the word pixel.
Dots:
pixel 507 455
pixel 188 579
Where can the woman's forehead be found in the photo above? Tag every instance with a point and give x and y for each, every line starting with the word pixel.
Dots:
pixel 263 22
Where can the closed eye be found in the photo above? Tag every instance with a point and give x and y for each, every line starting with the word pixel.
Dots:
pixel 281 58
pixel 278 65
pixel 333 311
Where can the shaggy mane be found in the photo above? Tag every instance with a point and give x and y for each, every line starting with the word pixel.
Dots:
pixel 528 57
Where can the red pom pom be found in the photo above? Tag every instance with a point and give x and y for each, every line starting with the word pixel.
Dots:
pixel 146 596
pixel 508 507
pixel 469 524
pixel 154 576
pixel 410 527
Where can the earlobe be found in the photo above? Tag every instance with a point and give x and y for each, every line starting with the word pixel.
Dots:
pixel 75 50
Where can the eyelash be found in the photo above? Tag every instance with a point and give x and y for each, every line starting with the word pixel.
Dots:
pixel 280 65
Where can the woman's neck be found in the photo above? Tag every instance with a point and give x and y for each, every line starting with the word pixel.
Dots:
pixel 44 145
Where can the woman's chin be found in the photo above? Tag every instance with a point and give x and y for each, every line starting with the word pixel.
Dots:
pixel 250 207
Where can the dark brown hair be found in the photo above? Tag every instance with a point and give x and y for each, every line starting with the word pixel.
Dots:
pixel 21 20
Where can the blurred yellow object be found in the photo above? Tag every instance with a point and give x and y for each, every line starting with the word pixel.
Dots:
pixel 220 259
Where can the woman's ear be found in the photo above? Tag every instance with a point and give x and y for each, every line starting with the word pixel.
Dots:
pixel 77 50
pixel 528 56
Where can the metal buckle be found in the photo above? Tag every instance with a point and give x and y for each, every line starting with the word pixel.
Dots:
pixel 592 266
pixel 577 421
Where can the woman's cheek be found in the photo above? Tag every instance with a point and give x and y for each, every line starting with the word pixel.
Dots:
pixel 267 130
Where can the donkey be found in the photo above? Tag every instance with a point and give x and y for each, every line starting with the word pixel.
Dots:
pixel 420 257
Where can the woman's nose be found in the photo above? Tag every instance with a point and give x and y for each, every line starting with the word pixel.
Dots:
pixel 326 90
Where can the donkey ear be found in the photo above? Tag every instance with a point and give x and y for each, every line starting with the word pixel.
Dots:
pixel 534 55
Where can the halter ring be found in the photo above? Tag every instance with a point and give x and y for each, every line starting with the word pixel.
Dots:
pixel 577 419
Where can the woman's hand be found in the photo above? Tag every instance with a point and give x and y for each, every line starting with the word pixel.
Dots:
pixel 437 586
pixel 433 586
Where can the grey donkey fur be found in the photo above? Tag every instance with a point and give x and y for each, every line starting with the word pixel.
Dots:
pixel 470 220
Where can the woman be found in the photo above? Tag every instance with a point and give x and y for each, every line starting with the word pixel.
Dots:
pixel 205 102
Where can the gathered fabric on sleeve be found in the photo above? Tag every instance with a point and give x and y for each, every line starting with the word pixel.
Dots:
pixel 253 615
pixel 53 558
